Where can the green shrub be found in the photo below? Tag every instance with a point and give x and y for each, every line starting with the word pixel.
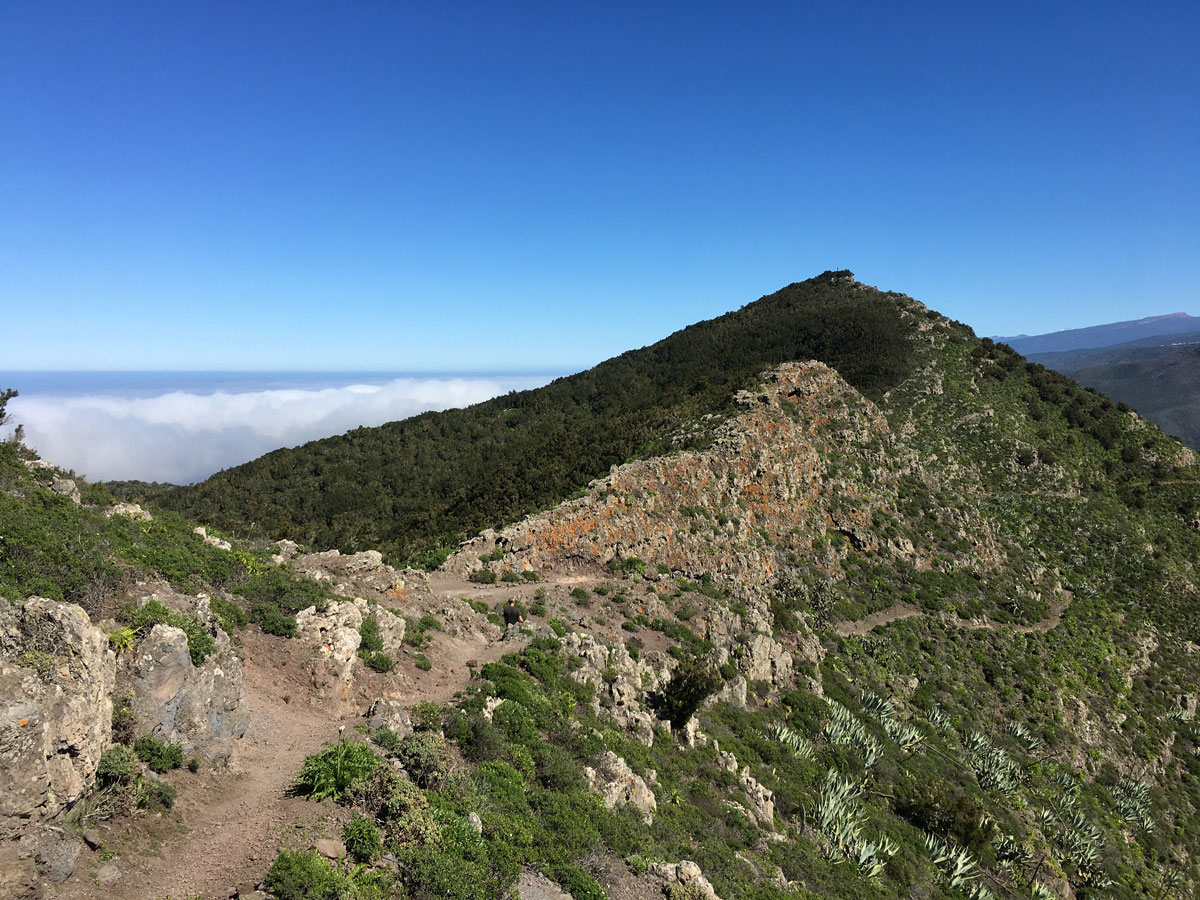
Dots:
pixel 362 839
pixel 117 765
pixel 288 592
pixel 378 660
pixel 428 622
pixel 124 721
pixel 229 614
pixel 557 626
pixel 691 684
pixel 400 805
pixel 335 770
pixel 530 575
pixel 482 576
pixel 157 794
pixel 422 662
pixel 426 716
pixel 579 883
pixel 386 740
pixel 305 875
pixel 423 755
pixel 368 631
pixel 199 641
pixel 159 755
pixel 272 620
pixel 580 594
pixel 510 577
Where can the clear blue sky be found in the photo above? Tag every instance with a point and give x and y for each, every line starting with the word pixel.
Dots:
pixel 491 186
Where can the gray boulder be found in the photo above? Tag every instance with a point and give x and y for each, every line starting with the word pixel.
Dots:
pixel 56 680
pixel 202 707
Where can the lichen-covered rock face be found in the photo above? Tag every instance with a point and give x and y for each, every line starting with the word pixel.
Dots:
pixel 802 471
pixel 618 785
pixel 334 634
pixel 56 681
pixel 760 799
pixel 686 874
pixel 393 714
pixel 391 629
pixel 621 682
pixel 202 707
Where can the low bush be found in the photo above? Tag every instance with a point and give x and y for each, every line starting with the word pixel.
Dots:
pixel 273 620
pixel 159 755
pixel 426 716
pixel 362 839
pixel 157 795
pixel 199 641
pixel 378 660
pixel 305 875
pixel 229 614
pixel 482 576
pixel 335 770
pixel 386 740
pixel 117 765
pixel 424 756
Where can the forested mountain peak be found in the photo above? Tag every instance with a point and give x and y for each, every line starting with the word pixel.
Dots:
pixel 421 485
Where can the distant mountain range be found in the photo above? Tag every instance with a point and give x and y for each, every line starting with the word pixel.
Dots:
pixel 1103 335
pixel 1152 364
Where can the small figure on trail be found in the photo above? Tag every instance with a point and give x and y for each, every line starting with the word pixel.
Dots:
pixel 512 619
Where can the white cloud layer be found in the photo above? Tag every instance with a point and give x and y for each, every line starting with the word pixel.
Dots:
pixel 184 437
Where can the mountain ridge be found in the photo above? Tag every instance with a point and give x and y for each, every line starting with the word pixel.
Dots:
pixel 1093 336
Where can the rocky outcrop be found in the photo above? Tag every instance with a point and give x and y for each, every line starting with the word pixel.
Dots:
pixel 761 800
pixel 802 472
pixel 619 785
pixel 686 874
pixel 201 707
pixel 334 633
pixel 210 539
pixel 129 510
pixel 621 682
pixel 56 681
pixel 391 629
pixel 392 714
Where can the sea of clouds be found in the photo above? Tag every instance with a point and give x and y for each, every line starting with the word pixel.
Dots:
pixel 184 436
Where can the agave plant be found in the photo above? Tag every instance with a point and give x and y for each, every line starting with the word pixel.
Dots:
pixel 993 767
pixel 939 719
pixel 1028 739
pixel 956 867
pixel 840 818
pixel 1039 891
pixel 1132 799
pixel 844 727
pixel 1011 853
pixel 801 748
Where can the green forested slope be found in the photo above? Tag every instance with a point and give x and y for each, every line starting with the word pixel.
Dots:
pixel 410 486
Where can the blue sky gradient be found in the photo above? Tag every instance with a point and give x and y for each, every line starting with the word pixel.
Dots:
pixel 509 187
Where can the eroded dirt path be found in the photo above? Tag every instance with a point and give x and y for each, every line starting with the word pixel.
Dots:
pixel 229 824
pixel 225 827
pixel 902 610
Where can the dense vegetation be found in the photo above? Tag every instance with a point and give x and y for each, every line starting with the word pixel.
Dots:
pixel 410 487
pixel 1158 377
pixel 1028 731
pixel 53 547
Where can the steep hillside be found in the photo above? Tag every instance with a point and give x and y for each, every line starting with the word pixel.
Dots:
pixel 1159 377
pixel 999 570
pixel 435 479
pixel 932 635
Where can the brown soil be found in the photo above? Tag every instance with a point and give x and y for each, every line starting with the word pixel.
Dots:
pixel 230 822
